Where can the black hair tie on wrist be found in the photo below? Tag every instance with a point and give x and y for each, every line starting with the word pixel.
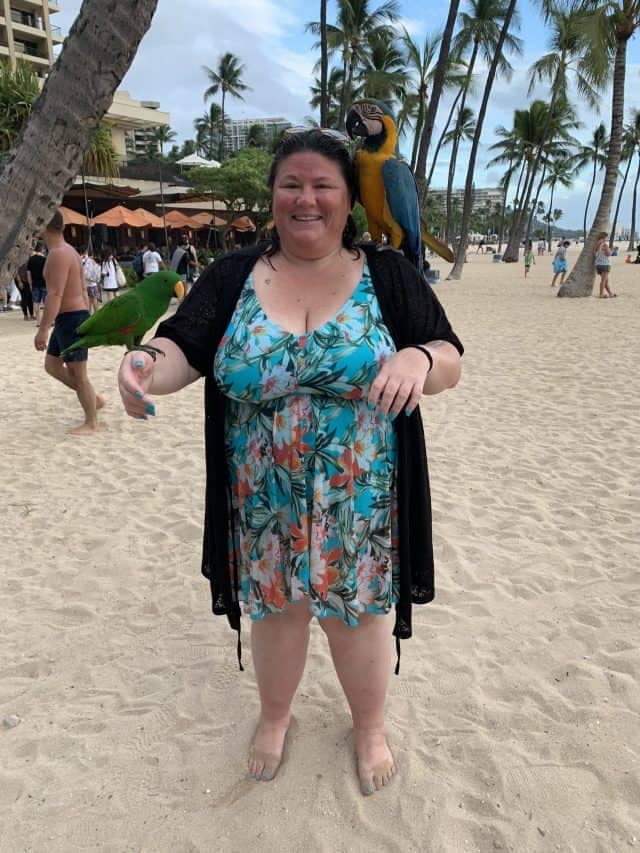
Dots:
pixel 426 352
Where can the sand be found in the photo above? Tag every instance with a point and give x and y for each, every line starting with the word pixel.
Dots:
pixel 515 718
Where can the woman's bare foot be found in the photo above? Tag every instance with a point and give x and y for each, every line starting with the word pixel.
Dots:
pixel 376 765
pixel 266 750
pixel 84 429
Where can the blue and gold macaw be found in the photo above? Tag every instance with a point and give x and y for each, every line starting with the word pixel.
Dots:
pixel 387 187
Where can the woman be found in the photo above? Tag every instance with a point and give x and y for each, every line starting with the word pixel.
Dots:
pixel 92 276
pixel 560 265
pixel 602 258
pixel 108 274
pixel 314 442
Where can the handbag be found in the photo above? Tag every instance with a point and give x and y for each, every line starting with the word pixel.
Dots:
pixel 120 276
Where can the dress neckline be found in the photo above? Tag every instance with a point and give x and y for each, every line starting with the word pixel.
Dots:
pixel 304 335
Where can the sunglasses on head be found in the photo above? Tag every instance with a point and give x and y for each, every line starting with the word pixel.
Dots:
pixel 325 131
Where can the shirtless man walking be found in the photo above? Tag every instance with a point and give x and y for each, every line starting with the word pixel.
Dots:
pixel 67 304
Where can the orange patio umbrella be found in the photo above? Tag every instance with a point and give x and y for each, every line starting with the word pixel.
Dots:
pixel 72 217
pixel 176 219
pixel 150 219
pixel 119 216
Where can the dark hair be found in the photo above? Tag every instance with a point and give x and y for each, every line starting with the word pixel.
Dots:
pixel 57 223
pixel 40 247
pixel 107 252
pixel 151 246
pixel 333 149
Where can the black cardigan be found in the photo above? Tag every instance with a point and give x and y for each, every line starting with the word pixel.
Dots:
pixel 413 315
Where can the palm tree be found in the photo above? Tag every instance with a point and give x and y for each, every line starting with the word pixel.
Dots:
pixel 227 79
pixel 19 88
pixel 558 144
pixel 480 30
pixel 507 16
pixel 463 130
pixel 511 154
pixel 101 160
pixel 334 93
pixel 566 60
pixel 78 92
pixel 207 128
pixel 383 75
pixel 324 66
pixel 437 88
pixel 561 171
pixel 421 61
pixel 161 136
pixel 610 26
pixel 257 137
pixel 634 202
pixel 351 37
pixel 596 153
pixel 630 141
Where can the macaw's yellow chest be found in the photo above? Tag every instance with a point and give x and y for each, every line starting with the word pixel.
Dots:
pixel 371 186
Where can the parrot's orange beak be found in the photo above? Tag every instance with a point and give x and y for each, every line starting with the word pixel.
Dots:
pixel 179 290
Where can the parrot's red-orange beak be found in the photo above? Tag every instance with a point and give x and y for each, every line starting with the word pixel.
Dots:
pixel 179 290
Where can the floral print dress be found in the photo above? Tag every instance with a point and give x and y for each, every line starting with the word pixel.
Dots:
pixel 312 467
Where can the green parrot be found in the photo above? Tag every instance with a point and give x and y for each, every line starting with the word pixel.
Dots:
pixel 125 319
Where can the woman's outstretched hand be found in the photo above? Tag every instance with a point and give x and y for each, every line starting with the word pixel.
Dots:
pixel 134 381
pixel 399 384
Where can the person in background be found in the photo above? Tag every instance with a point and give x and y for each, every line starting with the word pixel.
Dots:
pixel 66 307
pixel 184 262
pixel 316 352
pixel 151 261
pixel 529 259
pixel 92 275
pixel 602 259
pixel 560 265
pixel 37 283
pixel 108 274
pixel 26 297
pixel 542 247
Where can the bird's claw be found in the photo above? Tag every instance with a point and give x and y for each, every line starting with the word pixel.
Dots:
pixel 148 349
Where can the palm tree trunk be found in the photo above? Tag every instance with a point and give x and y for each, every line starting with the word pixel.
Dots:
pixel 612 235
pixel 456 272
pixel 324 65
pixel 221 145
pixel 593 183
pixel 343 94
pixel 580 280
pixel 86 211
pixel 445 130
pixel 504 204
pixel 79 90
pixel 457 135
pixel 418 132
pixel 434 101
pixel 634 205
pixel 549 214
pixel 534 206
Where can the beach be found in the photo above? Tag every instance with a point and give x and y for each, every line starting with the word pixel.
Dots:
pixel 124 721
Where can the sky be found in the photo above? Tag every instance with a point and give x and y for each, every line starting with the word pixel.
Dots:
pixel 269 37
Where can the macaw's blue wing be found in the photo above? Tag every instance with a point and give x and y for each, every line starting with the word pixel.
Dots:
pixel 402 199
